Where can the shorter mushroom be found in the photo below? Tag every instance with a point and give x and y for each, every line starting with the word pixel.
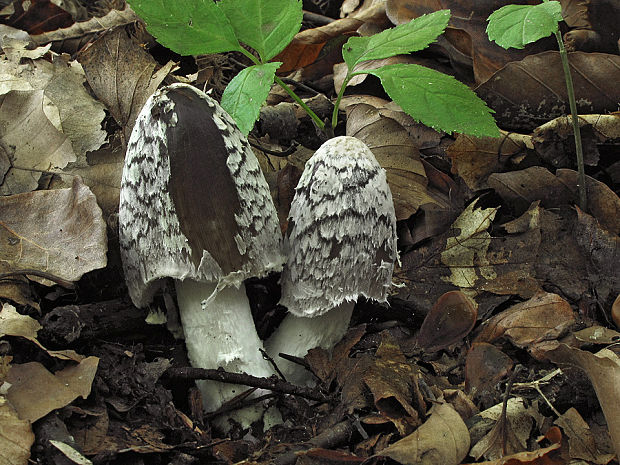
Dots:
pixel 341 244
pixel 195 207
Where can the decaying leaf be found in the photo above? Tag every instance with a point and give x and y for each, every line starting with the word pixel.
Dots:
pixel 603 370
pixel 59 108
pixel 516 428
pixel 16 324
pixel 61 232
pixel 397 154
pixel 475 158
pixel 451 319
pixel 581 440
pixel 485 366
pixel 465 252
pixel 444 437
pixel 35 392
pixel 544 317
pixel 541 93
pixel 122 75
pixel 393 384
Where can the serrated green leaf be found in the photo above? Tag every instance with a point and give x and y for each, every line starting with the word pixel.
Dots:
pixel 518 25
pixel 265 25
pixel 415 35
pixel 246 92
pixel 187 27
pixel 437 100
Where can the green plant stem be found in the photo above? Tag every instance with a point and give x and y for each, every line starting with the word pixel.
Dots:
pixel 295 97
pixel 338 99
pixel 289 91
pixel 581 181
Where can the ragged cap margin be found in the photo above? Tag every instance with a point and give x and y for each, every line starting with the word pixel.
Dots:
pixel 342 231
pixel 153 244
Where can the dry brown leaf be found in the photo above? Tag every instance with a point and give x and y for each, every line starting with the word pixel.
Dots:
pixel 393 384
pixel 475 158
pixel 442 440
pixel 581 441
pixel 615 311
pixel 451 319
pixel 16 436
pixel 554 141
pixel 517 424
pixel 396 153
pixel 541 91
pixel 35 392
pixel 61 232
pixel 465 40
pixel 485 366
pixel 121 74
pixel 88 28
pixel 603 370
pixel 542 318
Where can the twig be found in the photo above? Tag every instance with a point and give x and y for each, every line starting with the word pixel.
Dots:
pixel 330 438
pixel 271 383
pixel 41 274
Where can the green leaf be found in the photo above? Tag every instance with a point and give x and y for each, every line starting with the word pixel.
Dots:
pixel 265 25
pixel 437 100
pixel 518 25
pixel 413 36
pixel 246 92
pixel 187 27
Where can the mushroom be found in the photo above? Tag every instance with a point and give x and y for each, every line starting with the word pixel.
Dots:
pixel 195 207
pixel 341 244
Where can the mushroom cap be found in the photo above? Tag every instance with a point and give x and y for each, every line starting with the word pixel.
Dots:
pixel 342 231
pixel 194 203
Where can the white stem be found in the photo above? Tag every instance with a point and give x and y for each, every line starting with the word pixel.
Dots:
pixel 297 335
pixel 221 335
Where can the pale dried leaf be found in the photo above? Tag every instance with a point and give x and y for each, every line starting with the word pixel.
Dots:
pixel 36 144
pixel 61 232
pixel 16 436
pixel 35 392
pixel 444 437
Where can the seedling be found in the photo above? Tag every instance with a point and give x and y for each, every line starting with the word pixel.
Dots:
pixel 191 27
pixel 518 25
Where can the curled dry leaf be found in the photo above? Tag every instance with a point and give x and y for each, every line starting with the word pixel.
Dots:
pixel 451 319
pixel 397 154
pixel 485 366
pixel 603 370
pixel 122 75
pixel 542 318
pixel 58 109
pixel 61 232
pixel 443 436
pixel 393 383
pixel 581 439
pixel 35 392
pixel 521 188
pixel 18 325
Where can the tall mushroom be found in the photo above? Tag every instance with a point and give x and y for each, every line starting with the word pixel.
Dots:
pixel 341 244
pixel 195 207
